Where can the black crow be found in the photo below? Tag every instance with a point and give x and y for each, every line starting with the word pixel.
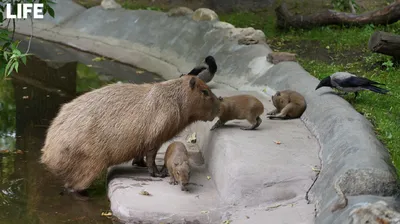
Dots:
pixel 206 71
pixel 347 82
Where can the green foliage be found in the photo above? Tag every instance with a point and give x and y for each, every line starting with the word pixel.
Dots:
pixel 344 5
pixel 10 55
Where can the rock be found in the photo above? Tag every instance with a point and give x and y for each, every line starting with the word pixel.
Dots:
pixel 247 35
pixel 180 11
pixel 247 41
pixel 110 4
pixel 204 14
pixel 223 25
pixel 376 213
pixel 277 57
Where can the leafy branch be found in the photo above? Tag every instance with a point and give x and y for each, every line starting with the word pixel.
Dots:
pixel 11 56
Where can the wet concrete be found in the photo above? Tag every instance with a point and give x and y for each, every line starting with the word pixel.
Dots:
pixel 29 100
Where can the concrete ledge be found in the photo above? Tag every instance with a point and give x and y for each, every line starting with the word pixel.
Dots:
pixel 350 152
pixel 351 155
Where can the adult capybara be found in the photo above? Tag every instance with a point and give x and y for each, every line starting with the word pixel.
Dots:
pixel 240 107
pixel 176 164
pixel 118 122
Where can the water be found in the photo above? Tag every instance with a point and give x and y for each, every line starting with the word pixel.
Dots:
pixel 28 102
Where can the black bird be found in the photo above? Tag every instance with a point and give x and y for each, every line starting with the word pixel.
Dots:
pixel 347 82
pixel 206 71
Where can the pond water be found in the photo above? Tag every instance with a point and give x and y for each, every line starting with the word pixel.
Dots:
pixel 29 100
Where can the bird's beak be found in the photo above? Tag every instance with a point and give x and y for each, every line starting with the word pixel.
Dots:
pixel 319 86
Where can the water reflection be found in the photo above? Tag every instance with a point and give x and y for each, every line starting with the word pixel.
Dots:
pixel 28 103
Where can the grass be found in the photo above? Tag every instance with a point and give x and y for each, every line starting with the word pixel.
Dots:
pixel 325 50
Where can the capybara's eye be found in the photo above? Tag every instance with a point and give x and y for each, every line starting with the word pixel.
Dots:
pixel 205 92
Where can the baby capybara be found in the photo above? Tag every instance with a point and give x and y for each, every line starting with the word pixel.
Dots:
pixel 176 164
pixel 240 107
pixel 288 104
pixel 118 122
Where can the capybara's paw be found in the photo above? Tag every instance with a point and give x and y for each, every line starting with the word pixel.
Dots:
pixel 175 182
pixel 164 174
pixel 183 188
pixel 80 195
pixel 246 128
pixel 271 113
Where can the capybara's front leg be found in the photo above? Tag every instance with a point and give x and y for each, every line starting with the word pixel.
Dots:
pixel 283 114
pixel 164 171
pixel 217 124
pixel 139 161
pixel 151 163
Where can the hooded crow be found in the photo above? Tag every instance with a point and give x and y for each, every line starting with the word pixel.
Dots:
pixel 347 82
pixel 206 71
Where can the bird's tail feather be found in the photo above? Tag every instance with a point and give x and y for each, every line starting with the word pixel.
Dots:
pixel 377 89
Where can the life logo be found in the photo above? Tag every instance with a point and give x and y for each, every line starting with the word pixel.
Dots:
pixel 36 9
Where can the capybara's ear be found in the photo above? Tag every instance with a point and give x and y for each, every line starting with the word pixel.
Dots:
pixel 192 82
pixel 220 98
pixel 176 164
pixel 278 93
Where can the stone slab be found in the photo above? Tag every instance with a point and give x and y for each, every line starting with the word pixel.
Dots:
pixel 261 170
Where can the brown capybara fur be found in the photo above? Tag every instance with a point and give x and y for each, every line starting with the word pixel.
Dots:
pixel 118 122
pixel 240 107
pixel 176 164
pixel 289 104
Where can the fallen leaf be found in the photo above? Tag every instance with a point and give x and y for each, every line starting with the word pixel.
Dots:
pixel 275 206
pixel 106 214
pixel 208 177
pixel 143 192
pixel 227 222
pixel 98 59
pixel 277 142
pixel 315 169
pixel 19 152
pixel 204 212
pixel 139 72
pixel 89 66
pixel 247 217
pixel 4 151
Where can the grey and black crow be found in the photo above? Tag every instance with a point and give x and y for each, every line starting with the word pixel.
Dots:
pixel 347 82
pixel 206 71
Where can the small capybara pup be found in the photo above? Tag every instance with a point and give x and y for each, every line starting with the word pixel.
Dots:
pixel 289 104
pixel 118 122
pixel 176 164
pixel 240 107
